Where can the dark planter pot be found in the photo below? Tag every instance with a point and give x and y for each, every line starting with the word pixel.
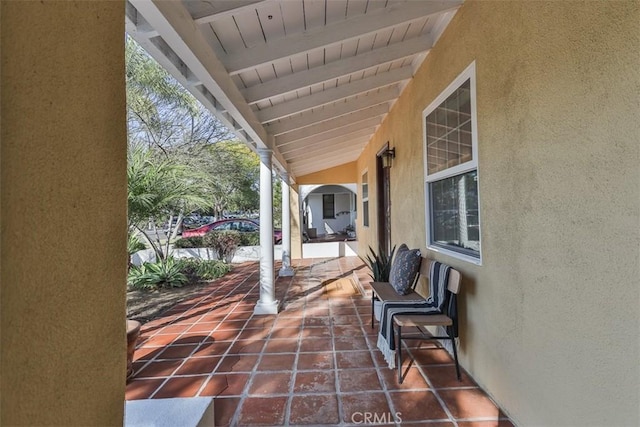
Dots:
pixel 133 330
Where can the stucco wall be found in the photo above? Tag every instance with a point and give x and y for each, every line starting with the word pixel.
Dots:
pixel 550 320
pixel 63 241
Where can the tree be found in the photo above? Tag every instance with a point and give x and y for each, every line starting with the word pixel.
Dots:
pixel 158 190
pixel 161 112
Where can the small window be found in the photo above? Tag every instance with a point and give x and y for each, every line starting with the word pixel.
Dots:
pixel 328 206
pixel 365 199
pixel 451 170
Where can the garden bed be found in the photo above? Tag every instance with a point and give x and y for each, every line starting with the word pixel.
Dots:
pixel 143 305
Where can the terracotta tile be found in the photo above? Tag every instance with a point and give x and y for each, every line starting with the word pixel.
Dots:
pixel 147 353
pixel 442 376
pixel 498 423
pixel 418 405
pixel 354 359
pixel 348 331
pixel 174 328
pixel 320 409
pixel 315 382
pixel 253 334
pixel 316 311
pixel 288 322
pixel 431 356
pixel 225 385
pixel 212 349
pixel 344 319
pixel 224 410
pixel 315 361
pixel 270 383
pixel 238 363
pixel 359 380
pixel 317 321
pixel 161 340
pixel 261 322
pixel 247 347
pixel 177 351
pixel 357 406
pixel 231 325
pixel 142 389
pixel 159 369
pixel 469 403
pixel 350 343
pixel 277 362
pixel 203 327
pixel 281 346
pixel 192 337
pixel 198 365
pixel 317 344
pixel 286 332
pixel 268 411
pixel 313 332
pixel 180 387
pixel 412 379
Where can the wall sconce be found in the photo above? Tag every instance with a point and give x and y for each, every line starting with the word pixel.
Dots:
pixel 387 156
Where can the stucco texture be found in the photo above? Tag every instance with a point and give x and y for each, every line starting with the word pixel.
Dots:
pixel 550 321
pixel 63 235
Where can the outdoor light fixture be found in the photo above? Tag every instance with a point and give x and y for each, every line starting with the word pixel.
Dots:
pixel 387 156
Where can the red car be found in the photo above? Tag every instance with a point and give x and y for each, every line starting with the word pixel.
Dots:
pixel 239 224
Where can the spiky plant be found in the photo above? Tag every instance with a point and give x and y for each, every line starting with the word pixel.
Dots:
pixel 380 264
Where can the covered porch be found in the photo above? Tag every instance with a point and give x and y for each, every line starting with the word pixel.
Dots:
pixel 314 363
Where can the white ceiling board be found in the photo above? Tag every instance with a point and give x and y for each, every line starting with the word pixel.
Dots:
pixel 295 75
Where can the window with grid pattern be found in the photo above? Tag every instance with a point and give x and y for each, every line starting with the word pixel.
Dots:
pixel 451 170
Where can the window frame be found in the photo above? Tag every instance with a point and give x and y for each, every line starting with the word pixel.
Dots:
pixel 472 165
pixel 364 182
pixel 333 206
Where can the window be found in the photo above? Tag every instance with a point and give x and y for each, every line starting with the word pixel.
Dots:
pixel 328 206
pixel 451 170
pixel 365 199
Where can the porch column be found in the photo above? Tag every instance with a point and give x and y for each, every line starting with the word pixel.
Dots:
pixel 286 270
pixel 267 303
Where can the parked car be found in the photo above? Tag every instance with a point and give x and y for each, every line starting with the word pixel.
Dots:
pixel 239 224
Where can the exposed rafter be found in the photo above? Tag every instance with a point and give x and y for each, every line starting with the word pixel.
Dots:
pixel 379 100
pixel 334 70
pixel 312 81
pixel 335 94
pixel 336 33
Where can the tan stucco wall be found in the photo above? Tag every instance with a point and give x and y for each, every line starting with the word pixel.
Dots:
pixel 63 213
pixel 551 319
pixel 343 174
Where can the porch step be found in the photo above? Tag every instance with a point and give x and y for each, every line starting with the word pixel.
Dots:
pixel 182 411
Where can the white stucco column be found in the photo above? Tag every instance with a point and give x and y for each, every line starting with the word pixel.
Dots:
pixel 286 270
pixel 267 303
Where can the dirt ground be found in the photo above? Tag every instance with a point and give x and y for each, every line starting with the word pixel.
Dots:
pixel 144 306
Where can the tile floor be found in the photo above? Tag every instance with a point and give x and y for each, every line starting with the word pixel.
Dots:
pixel 315 363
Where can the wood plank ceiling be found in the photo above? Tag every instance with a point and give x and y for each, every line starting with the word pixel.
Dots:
pixel 310 79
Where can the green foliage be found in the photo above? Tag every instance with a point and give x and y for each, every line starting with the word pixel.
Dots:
pixel 189 242
pixel 164 274
pixel 251 238
pixel 225 243
pixel 134 244
pixel 380 264
pixel 199 269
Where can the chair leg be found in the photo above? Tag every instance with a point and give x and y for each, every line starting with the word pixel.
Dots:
pixel 455 356
pixel 399 354
pixel 373 298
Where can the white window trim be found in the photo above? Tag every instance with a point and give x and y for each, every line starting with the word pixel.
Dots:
pixel 468 74
pixel 365 199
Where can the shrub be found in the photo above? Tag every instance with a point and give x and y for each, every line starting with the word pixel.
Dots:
pixel 134 244
pixel 167 273
pixel 199 269
pixel 190 242
pixel 251 238
pixel 225 243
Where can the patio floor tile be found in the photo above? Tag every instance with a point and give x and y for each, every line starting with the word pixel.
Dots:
pixel 315 363
pixel 317 409
pixel 267 411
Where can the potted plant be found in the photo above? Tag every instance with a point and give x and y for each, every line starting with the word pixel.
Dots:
pixel 380 265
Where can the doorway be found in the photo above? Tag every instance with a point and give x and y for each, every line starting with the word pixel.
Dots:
pixel 384 202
